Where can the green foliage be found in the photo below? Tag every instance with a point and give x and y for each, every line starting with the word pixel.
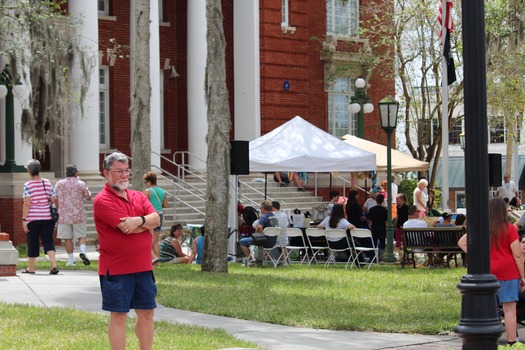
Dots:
pixel 42 42
pixel 407 186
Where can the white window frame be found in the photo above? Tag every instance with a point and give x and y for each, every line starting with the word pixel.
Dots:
pixel 103 119
pixel 348 14
pixel 103 7
pixel 340 92
pixel 285 22
pixel 460 195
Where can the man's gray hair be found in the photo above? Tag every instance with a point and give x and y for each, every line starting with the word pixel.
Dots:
pixel 71 170
pixel 34 167
pixel 114 157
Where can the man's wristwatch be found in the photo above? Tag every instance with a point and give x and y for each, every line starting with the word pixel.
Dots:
pixel 143 220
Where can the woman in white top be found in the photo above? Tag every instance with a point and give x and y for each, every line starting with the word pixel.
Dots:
pixel 337 220
pixel 420 197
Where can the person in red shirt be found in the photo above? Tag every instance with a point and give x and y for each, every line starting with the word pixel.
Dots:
pixel 125 220
pixel 506 262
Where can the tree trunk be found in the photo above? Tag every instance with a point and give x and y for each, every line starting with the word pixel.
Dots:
pixel 141 94
pixel 215 257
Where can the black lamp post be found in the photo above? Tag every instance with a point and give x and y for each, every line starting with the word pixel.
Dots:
pixel 479 326
pixel 6 90
pixel 360 103
pixel 388 112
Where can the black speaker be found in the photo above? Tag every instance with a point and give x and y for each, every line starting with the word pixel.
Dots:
pixel 494 170
pixel 239 158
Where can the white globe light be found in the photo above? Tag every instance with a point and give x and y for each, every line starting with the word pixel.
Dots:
pixel 368 108
pixel 360 83
pixel 3 91
pixel 354 108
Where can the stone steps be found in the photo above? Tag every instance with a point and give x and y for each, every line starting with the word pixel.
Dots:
pixel 180 211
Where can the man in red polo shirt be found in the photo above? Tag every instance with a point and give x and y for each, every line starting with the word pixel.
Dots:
pixel 125 220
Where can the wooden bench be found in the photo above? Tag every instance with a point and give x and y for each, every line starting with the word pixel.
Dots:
pixel 430 240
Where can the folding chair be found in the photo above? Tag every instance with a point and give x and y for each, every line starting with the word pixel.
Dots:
pixel 267 250
pixel 296 235
pixel 337 241
pixel 316 241
pixel 363 233
pixel 320 212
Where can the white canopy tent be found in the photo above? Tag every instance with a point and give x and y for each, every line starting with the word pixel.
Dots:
pixel 298 145
pixel 400 161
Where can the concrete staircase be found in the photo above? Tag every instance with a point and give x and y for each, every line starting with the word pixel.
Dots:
pixel 181 201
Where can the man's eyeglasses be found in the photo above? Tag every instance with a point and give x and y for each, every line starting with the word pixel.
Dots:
pixel 120 172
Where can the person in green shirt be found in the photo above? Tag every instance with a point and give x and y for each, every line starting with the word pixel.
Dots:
pixel 158 198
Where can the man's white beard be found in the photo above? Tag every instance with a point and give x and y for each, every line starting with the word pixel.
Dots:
pixel 119 186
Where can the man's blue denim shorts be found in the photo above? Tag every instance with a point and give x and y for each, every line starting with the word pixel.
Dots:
pixel 121 293
pixel 246 241
pixel 509 291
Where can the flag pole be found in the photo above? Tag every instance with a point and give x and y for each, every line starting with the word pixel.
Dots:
pixel 444 110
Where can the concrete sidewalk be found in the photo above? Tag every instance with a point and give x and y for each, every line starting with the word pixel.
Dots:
pixel 80 290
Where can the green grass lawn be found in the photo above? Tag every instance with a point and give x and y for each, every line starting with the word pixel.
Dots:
pixel 383 299
pixel 30 327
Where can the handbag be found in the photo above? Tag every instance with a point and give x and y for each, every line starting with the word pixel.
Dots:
pixel 258 239
pixel 52 209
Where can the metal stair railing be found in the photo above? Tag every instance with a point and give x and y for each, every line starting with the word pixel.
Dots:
pixel 345 181
pixel 185 167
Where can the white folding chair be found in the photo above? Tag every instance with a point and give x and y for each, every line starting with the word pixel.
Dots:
pixel 338 242
pixel 363 233
pixel 267 252
pixel 316 241
pixel 296 234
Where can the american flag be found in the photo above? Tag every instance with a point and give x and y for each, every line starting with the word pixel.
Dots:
pixel 449 23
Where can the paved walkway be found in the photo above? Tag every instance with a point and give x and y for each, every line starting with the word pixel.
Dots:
pixel 80 290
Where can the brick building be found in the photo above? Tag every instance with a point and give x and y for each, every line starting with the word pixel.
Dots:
pixel 275 71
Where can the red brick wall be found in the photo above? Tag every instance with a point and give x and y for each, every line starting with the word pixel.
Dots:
pixel 296 58
pixel 11 219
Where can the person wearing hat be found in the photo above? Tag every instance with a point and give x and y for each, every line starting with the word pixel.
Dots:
pixel 446 221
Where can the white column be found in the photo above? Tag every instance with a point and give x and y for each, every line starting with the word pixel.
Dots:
pixel 154 59
pixel 247 69
pixel 197 108
pixel 84 141
pixel 23 149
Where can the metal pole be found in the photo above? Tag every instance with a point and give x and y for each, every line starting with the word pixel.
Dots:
pixel 361 120
pixel 479 326
pixel 389 254
pixel 360 98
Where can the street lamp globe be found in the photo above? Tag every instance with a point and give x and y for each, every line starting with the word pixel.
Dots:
pixel 360 83
pixel 354 108
pixel 368 108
